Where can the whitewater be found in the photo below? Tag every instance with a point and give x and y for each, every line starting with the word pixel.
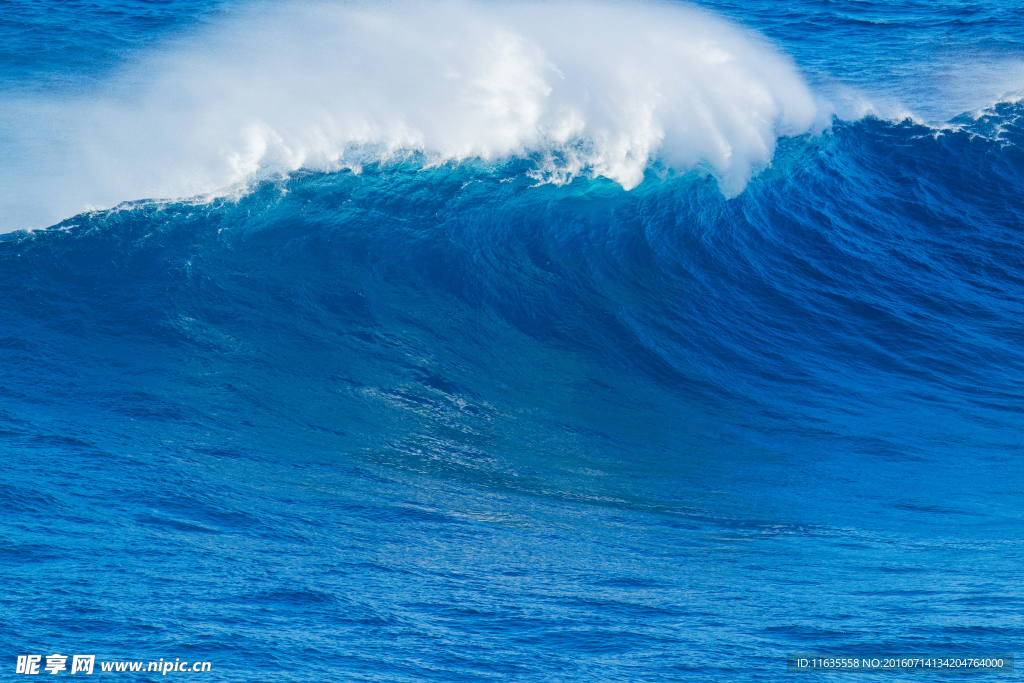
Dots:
pixel 271 89
pixel 534 341
pixel 265 89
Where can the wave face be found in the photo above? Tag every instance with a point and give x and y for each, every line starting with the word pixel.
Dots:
pixel 434 394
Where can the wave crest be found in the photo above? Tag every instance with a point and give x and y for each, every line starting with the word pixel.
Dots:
pixel 583 88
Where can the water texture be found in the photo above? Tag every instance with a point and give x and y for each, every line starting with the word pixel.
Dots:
pixel 539 342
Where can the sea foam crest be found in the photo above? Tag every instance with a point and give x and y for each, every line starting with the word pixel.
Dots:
pixel 594 88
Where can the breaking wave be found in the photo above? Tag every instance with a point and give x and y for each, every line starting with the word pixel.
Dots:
pixel 605 89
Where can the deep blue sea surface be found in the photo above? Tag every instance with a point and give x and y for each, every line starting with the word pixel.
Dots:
pixel 525 342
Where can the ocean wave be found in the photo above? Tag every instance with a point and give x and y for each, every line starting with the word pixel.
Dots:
pixel 597 89
pixel 888 236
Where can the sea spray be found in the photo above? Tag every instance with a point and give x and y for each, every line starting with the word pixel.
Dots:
pixel 599 89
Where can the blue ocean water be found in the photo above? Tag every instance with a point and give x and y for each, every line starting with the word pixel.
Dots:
pixel 433 415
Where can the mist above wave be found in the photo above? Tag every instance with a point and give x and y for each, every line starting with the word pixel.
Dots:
pixel 590 88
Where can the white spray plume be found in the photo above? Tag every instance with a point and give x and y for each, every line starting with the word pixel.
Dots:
pixel 596 88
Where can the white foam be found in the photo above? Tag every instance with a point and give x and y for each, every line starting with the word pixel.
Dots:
pixel 598 88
